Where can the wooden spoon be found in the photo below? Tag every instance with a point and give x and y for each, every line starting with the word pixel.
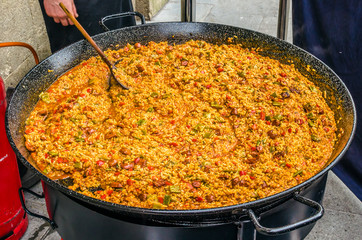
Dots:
pixel 112 68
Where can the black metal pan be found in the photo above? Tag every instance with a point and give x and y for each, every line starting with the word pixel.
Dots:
pixel 40 78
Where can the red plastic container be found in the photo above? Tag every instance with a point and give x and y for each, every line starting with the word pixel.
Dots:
pixel 13 219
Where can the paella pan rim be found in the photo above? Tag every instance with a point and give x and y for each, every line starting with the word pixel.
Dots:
pixel 189 32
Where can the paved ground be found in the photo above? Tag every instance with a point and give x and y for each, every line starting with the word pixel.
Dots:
pixel 343 211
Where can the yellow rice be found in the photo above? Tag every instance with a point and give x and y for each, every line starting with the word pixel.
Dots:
pixel 201 126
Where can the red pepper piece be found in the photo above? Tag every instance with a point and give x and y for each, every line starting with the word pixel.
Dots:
pixel 137 160
pixel 130 182
pixel 300 121
pixel 27 131
pixel 262 115
pixel 283 74
pixel 199 199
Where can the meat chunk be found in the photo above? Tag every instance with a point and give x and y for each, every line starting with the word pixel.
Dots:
pixel 125 151
pixel 159 183
pixel 272 134
pixel 196 184
pixel 116 185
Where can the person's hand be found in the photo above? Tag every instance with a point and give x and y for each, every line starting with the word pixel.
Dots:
pixel 53 10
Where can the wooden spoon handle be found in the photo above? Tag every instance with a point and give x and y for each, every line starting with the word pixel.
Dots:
pixel 85 34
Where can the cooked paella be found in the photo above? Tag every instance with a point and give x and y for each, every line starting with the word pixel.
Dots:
pixel 201 126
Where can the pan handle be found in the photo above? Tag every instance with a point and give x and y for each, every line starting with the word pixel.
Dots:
pixel 21 190
pixel 119 15
pixel 287 228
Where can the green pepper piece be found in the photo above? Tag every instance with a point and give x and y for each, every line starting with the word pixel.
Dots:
pixel 206 115
pixel 276 104
pixel 73 120
pixel 241 74
pixel 175 189
pixel 141 122
pixel 278 117
pixel 78 165
pixel 272 149
pixel 166 199
pixel 311 124
pixel 308 107
pixel 45 97
pixel 215 105
pixel 91 81
pixel 219 119
pixel 315 138
pixel 267 118
pixel 274 95
pixel 297 173
pixel 154 94
pixel 53 153
pixel 157 205
pixel 312 88
pixel 311 116
pixel 198 128
pixel 151 109
pixel 208 135
pixel 165 96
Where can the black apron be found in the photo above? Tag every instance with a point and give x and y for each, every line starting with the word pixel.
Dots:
pixel 332 31
pixel 90 12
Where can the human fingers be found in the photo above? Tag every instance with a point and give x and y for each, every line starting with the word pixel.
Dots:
pixel 53 10
pixel 57 20
pixel 74 10
pixel 64 21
